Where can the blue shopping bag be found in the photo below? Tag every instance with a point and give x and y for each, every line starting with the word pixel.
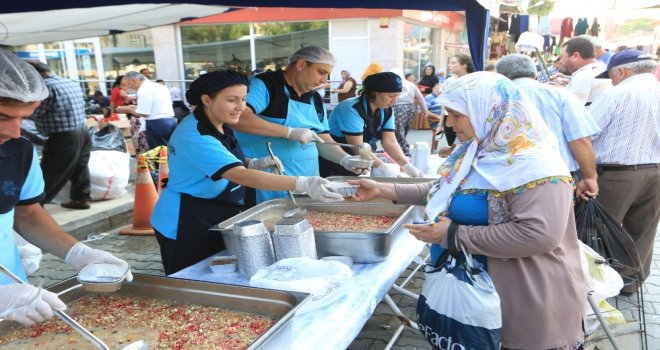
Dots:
pixel 459 308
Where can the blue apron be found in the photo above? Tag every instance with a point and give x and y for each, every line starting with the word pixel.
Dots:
pixel 194 241
pixel 9 256
pixel 372 133
pixel 298 159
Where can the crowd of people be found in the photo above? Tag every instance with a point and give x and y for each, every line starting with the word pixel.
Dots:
pixel 520 151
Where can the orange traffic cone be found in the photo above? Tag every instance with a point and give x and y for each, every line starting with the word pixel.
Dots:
pixel 145 200
pixel 163 169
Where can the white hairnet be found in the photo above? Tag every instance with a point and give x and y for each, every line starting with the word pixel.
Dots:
pixel 313 54
pixel 19 80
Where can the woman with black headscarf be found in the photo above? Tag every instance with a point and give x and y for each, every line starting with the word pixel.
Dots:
pixel 208 172
pixel 429 79
pixel 370 118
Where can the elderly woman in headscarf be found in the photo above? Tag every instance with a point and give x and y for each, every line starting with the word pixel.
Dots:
pixel 369 118
pixel 507 195
pixel 208 173
pixel 346 88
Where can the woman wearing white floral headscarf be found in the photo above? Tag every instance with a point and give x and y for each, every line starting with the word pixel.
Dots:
pixel 508 195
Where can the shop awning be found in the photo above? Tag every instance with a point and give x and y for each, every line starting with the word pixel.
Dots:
pixel 38 21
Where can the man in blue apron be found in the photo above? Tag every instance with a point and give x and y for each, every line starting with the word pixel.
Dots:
pixel 21 190
pixel 284 109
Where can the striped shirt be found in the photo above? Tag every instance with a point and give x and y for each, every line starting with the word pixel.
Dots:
pixel 629 115
pixel 568 119
pixel 63 109
pixel 585 85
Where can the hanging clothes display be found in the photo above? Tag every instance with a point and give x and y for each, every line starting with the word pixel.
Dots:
pixel 566 29
pixel 595 28
pixel 544 26
pixel 514 28
pixel 503 23
pixel 524 25
pixel 581 27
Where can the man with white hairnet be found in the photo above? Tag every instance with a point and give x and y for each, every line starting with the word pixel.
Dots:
pixel 284 109
pixel 21 190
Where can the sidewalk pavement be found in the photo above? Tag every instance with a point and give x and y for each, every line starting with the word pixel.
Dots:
pixel 101 223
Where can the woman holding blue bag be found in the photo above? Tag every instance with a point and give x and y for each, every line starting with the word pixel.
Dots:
pixel 506 194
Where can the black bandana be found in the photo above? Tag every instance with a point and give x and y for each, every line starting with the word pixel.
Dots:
pixel 210 83
pixel 383 82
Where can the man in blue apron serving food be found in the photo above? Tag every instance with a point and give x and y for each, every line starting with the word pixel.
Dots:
pixel 284 109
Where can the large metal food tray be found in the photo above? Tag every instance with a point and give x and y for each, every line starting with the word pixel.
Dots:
pixel 272 303
pixel 363 247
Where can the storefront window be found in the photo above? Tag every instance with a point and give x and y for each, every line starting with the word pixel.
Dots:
pixel 227 46
pixel 418 48
pixel 127 52
pixel 207 48
pixel 275 42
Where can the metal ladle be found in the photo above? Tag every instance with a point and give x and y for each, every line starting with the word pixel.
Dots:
pixel 295 212
pixel 137 345
pixel 364 149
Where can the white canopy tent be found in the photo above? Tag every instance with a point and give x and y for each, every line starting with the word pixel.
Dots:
pixel 36 27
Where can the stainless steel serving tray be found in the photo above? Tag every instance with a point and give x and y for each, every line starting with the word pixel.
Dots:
pixel 273 303
pixel 363 247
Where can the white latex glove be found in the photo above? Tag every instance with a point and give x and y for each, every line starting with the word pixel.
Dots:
pixel 265 163
pixel 27 304
pixel 346 164
pixel 313 185
pixel 80 255
pixel 385 170
pixel 303 135
pixel 411 170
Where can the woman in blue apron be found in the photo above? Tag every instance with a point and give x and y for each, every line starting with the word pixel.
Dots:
pixel 207 173
pixel 282 104
pixel 369 118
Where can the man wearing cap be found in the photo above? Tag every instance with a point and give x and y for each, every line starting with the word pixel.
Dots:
pixel 578 57
pixel 568 119
pixel 21 189
pixel 370 118
pixel 283 109
pixel 628 149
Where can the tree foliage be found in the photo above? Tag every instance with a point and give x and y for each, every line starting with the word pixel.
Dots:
pixel 541 10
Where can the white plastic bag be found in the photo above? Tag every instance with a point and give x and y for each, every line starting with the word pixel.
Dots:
pixel 325 280
pixel 108 172
pixel 459 305
pixel 30 254
pixel 602 282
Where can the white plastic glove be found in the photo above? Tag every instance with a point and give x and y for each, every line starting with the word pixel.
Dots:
pixel 411 170
pixel 303 135
pixel 346 164
pixel 80 255
pixel 313 185
pixel 265 163
pixel 27 304
pixel 385 170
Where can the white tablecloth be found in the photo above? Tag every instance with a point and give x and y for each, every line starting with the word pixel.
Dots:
pixel 337 324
